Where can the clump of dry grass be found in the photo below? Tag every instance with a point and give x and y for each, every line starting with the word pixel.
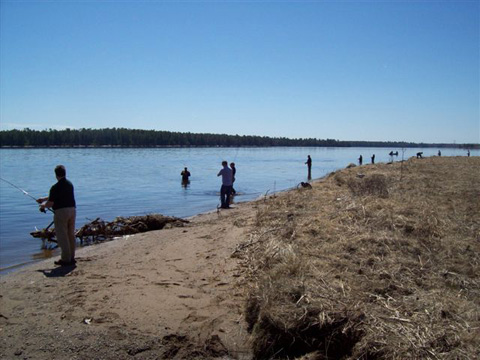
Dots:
pixel 376 184
pixel 369 267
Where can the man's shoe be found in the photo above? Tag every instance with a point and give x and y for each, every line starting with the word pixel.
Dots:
pixel 63 263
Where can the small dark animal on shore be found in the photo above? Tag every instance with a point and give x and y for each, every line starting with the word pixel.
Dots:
pixel 304 185
pixel 419 155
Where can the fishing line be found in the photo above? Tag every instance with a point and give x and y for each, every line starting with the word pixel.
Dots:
pixel 16 187
pixel 23 191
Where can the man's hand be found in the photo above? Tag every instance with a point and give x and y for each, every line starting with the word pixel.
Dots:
pixel 43 206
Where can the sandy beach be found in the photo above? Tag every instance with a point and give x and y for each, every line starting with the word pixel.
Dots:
pixel 172 293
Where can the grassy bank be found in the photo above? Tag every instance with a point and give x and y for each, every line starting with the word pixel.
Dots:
pixel 379 261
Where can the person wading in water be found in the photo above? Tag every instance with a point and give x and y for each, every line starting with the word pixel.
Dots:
pixel 309 165
pixel 185 177
pixel 234 171
pixel 226 189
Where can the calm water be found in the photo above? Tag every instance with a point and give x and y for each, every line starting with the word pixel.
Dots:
pixel 126 182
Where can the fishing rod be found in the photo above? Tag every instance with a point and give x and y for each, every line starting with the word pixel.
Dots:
pixel 23 191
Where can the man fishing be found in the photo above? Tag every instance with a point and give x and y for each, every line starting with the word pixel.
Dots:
pixel 234 171
pixel 227 184
pixel 309 165
pixel 185 175
pixel 62 200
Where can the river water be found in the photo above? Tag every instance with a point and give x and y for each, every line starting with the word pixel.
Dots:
pixel 126 182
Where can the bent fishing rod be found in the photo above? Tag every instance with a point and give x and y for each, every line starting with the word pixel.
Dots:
pixel 23 191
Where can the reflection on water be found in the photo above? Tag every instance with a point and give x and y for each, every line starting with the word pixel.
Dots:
pixel 47 251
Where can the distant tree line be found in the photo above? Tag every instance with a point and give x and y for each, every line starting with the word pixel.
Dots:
pixel 121 137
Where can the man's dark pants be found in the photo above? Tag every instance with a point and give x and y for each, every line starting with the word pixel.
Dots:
pixel 225 193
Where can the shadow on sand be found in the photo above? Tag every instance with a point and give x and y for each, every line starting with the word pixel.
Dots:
pixel 59 271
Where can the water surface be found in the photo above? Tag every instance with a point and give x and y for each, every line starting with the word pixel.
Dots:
pixel 126 182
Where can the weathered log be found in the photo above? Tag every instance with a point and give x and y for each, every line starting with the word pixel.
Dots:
pixel 47 234
pixel 98 229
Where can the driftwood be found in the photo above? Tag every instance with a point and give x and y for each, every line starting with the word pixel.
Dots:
pixel 99 230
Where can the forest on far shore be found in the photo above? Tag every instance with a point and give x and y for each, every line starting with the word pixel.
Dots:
pixel 121 137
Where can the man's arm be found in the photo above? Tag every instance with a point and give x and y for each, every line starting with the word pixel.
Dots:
pixel 48 204
pixel 47 201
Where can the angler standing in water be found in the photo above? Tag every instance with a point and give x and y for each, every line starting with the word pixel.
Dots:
pixel 309 165
pixel 185 177
pixel 234 171
pixel 62 200
pixel 227 184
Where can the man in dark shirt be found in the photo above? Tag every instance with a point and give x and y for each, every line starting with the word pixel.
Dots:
pixel 62 200
pixel 309 165
pixel 234 171
pixel 185 175
pixel 227 184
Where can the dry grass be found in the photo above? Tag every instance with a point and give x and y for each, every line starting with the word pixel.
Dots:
pixel 384 266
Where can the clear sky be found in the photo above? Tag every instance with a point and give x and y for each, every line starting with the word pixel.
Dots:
pixel 346 70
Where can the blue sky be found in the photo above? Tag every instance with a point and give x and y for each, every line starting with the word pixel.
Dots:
pixel 367 70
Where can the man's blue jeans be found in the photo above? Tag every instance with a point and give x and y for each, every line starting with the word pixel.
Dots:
pixel 225 193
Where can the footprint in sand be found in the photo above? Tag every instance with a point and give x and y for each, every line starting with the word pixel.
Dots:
pixel 96 276
pixel 193 317
pixel 104 317
pixel 166 283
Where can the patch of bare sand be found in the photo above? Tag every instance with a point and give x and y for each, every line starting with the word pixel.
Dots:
pixel 169 294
